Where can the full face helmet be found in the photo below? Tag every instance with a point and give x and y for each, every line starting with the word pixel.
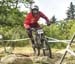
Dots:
pixel 34 9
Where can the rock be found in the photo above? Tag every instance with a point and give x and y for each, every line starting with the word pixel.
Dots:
pixel 8 59
pixel 42 60
pixel 16 59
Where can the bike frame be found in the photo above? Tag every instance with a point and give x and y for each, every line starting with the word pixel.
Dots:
pixel 41 42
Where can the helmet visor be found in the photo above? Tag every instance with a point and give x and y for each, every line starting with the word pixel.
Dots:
pixel 34 11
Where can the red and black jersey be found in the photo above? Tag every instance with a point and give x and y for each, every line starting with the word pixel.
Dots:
pixel 31 20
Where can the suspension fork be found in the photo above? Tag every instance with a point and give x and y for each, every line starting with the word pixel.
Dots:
pixel 42 38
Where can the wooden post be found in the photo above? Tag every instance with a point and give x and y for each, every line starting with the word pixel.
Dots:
pixel 68 50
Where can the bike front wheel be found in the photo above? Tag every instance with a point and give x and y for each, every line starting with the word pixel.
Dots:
pixel 46 48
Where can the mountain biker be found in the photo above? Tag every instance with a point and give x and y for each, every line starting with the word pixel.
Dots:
pixel 31 21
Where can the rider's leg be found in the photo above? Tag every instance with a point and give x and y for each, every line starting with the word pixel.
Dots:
pixel 32 39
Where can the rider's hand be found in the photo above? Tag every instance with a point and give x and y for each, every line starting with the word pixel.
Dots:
pixel 26 26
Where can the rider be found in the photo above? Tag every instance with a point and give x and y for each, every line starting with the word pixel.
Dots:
pixel 31 21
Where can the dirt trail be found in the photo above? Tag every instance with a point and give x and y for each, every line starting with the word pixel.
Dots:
pixel 26 53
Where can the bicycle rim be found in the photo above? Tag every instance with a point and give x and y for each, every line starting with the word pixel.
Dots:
pixel 46 49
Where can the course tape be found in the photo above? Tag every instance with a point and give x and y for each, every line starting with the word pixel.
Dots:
pixel 16 39
pixel 53 40
pixel 65 41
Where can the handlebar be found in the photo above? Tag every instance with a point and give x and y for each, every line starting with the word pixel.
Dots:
pixel 34 29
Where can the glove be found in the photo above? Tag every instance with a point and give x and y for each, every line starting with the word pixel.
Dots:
pixel 26 26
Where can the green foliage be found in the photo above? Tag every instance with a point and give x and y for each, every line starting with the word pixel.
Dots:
pixel 13 33
pixel 53 19
pixel 61 31
pixel 11 23
pixel 71 11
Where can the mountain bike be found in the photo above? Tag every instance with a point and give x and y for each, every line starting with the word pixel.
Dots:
pixel 41 42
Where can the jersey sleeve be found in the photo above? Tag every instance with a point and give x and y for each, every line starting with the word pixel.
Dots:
pixel 44 16
pixel 27 21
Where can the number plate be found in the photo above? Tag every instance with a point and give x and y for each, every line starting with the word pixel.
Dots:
pixel 40 31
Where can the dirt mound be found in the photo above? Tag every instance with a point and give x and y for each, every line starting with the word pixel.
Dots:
pixel 16 59
pixel 29 59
